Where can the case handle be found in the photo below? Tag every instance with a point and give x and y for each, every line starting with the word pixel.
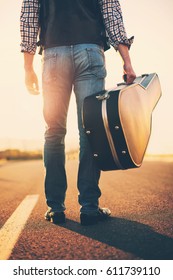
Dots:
pixel 125 79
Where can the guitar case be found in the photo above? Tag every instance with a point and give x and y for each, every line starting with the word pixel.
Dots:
pixel 118 122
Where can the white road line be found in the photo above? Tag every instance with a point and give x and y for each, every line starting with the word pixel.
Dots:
pixel 11 230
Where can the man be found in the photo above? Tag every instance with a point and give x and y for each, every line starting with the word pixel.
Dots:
pixel 73 59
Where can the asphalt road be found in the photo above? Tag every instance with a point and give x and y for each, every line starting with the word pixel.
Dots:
pixel 141 227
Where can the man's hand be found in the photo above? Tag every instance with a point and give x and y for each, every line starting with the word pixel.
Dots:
pixel 129 72
pixel 128 69
pixel 31 82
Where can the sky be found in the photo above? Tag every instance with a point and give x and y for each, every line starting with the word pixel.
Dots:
pixel 21 120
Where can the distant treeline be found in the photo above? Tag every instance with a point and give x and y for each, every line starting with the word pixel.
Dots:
pixel 14 154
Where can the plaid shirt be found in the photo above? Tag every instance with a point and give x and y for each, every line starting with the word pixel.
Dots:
pixel 112 16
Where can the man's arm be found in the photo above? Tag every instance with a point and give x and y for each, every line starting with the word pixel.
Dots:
pixel 29 26
pixel 113 20
pixel 31 80
pixel 128 69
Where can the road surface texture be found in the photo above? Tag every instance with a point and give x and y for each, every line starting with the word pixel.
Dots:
pixel 141 227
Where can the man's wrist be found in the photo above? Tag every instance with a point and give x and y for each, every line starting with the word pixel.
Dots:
pixel 124 52
pixel 28 68
pixel 28 62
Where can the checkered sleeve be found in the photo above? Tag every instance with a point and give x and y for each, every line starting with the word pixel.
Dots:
pixel 113 20
pixel 29 25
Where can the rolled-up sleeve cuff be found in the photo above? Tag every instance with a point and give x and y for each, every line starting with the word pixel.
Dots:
pixel 126 41
pixel 30 48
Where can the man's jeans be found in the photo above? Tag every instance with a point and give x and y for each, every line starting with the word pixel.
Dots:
pixel 80 68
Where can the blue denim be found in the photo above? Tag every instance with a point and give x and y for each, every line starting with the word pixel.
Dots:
pixel 81 69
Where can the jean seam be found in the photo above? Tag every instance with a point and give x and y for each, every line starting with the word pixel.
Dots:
pixel 72 60
pixel 95 73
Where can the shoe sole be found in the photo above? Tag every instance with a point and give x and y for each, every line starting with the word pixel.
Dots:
pixel 55 220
